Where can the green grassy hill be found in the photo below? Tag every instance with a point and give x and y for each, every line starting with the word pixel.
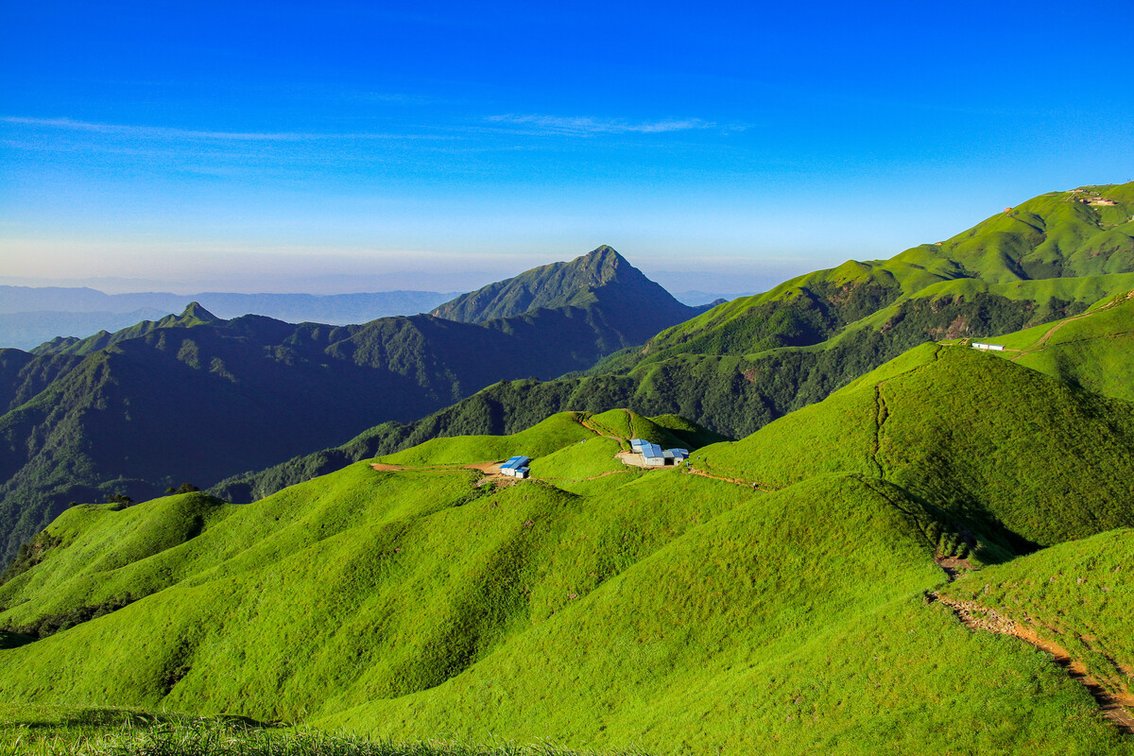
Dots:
pixel 1054 236
pixel 1076 596
pixel 602 606
pixel 1094 350
pixel 1001 450
pixel 1049 258
pixel 506 408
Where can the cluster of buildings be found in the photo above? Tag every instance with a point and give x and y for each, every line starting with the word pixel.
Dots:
pixel 654 456
pixel 516 467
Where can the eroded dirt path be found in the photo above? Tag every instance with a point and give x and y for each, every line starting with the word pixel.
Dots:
pixel 1042 342
pixel 952 566
pixel 735 481
pixel 881 413
pixel 586 423
pixel 1117 707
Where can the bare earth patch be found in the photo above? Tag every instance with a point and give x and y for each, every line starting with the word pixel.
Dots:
pixel 1115 705
pixel 953 565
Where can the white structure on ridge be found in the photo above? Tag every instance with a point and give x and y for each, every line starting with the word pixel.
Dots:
pixel 654 456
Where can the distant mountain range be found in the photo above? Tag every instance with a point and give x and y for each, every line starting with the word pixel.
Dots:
pixel 195 397
pixel 30 316
pixel 696 298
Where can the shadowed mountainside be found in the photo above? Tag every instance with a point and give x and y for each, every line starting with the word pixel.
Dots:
pixel 195 398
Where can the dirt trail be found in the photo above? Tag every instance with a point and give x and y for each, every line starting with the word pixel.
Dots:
pixel 585 422
pixel 881 413
pixel 735 481
pixel 952 566
pixel 1042 341
pixel 1117 707
pixel 488 468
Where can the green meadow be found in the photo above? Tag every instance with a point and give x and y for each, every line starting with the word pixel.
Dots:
pixel 61 731
pixel 601 607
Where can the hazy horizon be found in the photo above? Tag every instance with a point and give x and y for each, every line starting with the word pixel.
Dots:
pixel 741 280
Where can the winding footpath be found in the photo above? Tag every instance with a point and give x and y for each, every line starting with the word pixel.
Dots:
pixel 1041 343
pixel 1115 707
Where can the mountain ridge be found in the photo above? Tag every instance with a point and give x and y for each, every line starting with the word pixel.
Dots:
pixel 601 276
pixel 260 389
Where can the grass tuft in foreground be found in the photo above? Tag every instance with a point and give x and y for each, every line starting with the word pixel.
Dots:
pixel 50 731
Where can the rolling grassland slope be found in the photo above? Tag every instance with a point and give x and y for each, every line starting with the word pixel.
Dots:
pixel 601 606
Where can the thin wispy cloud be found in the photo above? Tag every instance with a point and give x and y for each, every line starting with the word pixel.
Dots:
pixel 586 126
pixel 396 98
pixel 165 132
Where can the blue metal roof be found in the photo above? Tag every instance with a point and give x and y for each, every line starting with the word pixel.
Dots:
pixel 514 463
pixel 651 450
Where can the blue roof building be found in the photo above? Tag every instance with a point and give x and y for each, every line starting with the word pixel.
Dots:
pixel 654 456
pixel 516 467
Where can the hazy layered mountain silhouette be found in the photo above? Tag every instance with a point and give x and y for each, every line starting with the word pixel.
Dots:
pixel 31 315
pixel 195 398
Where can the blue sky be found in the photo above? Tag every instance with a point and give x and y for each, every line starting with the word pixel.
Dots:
pixel 359 146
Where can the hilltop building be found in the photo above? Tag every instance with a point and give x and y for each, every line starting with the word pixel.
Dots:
pixel 988 347
pixel 516 467
pixel 654 456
